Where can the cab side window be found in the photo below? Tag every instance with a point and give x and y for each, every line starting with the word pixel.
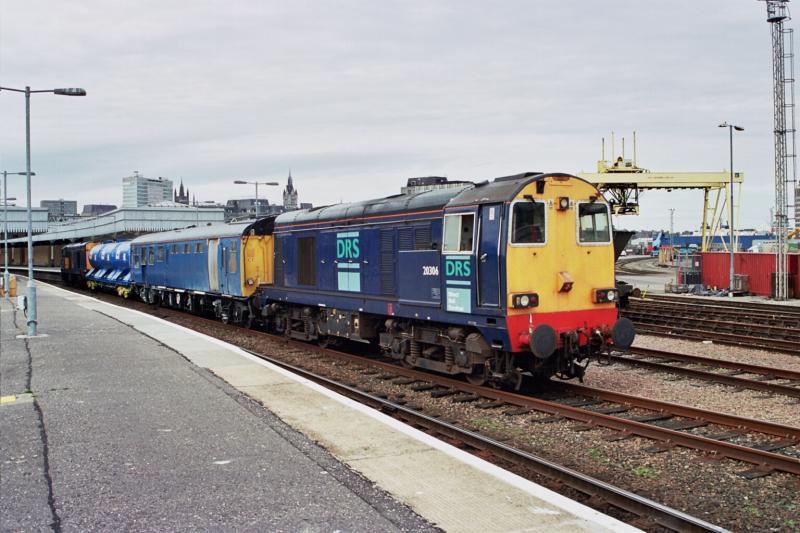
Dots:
pixel 528 223
pixel 458 233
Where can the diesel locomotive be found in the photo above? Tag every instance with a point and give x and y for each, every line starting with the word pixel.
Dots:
pixel 494 281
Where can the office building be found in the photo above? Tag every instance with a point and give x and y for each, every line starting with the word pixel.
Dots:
pixel 93 210
pixel 138 191
pixel 245 208
pixel 58 210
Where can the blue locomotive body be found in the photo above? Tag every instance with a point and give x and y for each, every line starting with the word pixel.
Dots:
pixel 385 259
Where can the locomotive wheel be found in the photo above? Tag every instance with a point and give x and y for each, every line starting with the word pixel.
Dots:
pixel 225 314
pixel 479 375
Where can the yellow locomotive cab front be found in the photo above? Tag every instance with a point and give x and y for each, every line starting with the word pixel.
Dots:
pixel 560 269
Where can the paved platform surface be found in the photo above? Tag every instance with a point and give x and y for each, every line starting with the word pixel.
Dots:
pixel 117 419
pixel 112 428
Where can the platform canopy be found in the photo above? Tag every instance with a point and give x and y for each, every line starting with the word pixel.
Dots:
pixel 127 221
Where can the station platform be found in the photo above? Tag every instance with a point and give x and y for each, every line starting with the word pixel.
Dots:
pixel 113 418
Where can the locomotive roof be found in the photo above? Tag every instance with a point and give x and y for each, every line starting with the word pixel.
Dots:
pixel 501 189
pixel 399 203
pixel 498 190
pixel 211 231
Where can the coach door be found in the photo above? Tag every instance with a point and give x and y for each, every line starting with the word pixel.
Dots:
pixel 488 256
pixel 213 265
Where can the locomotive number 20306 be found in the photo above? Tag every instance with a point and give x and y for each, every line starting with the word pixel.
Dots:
pixel 430 270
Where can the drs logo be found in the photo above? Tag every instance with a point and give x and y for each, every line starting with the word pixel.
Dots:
pixel 457 267
pixel 347 248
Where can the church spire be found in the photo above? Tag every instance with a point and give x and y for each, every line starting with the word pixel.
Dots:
pixel 289 195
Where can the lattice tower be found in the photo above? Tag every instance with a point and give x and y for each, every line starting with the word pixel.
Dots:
pixel 777 14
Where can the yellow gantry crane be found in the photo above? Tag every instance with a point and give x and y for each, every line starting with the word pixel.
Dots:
pixel 622 179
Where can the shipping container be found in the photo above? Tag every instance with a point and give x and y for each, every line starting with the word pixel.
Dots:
pixel 757 266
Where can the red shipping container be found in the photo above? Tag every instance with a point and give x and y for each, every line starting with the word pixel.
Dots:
pixel 757 266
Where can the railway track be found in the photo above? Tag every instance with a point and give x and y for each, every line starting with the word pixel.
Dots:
pixel 659 514
pixel 772 329
pixel 766 317
pixel 764 378
pixel 727 304
pixel 748 440
pixel 635 266
pixel 785 346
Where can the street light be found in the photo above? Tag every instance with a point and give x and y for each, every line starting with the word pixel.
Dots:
pixel 731 127
pixel 72 91
pixel 5 226
pixel 256 183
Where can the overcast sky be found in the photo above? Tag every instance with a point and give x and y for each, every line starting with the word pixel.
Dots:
pixel 356 97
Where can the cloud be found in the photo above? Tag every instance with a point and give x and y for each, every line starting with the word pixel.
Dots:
pixel 358 96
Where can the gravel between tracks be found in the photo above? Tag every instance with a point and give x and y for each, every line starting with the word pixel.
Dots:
pixel 699 393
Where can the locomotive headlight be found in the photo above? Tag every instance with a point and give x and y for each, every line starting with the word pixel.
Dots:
pixel 602 296
pixel 523 301
pixel 563 203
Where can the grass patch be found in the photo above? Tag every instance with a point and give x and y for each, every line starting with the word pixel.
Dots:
pixel 755 511
pixel 645 472
pixel 493 425
pixel 597 455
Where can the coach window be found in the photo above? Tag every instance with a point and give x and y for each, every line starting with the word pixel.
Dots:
pixel 186 248
pixel 135 260
pixel 458 230
pixel 174 248
pixel 198 248
pixel 152 256
pixel 528 223
pixel 161 253
pixel 593 226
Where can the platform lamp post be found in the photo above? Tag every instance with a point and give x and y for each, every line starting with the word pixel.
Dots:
pixel 5 227
pixel 256 183
pixel 72 91
pixel 731 127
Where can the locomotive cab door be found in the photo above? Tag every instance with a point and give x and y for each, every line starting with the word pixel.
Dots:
pixel 489 256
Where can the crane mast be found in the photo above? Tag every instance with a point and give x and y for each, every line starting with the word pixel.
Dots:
pixel 777 14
